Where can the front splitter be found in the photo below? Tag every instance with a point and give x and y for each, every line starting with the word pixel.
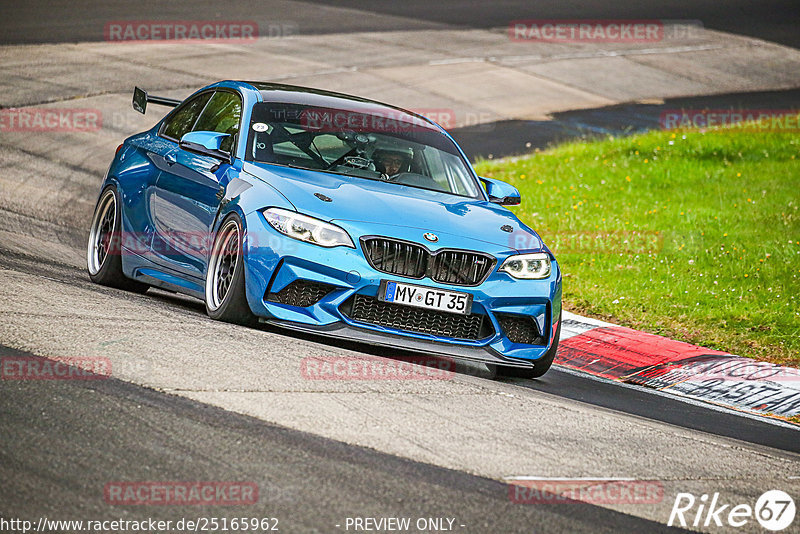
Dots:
pixel 382 339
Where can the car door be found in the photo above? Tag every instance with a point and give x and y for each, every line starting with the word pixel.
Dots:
pixel 188 192
pixel 143 166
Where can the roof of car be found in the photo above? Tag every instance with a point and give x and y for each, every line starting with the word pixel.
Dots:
pixel 307 96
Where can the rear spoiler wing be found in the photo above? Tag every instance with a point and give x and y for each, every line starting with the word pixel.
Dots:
pixel 141 98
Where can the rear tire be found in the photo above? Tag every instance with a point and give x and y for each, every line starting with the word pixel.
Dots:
pixel 540 366
pixel 104 249
pixel 226 299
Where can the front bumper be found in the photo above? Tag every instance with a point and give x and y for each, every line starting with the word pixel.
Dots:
pixel 273 262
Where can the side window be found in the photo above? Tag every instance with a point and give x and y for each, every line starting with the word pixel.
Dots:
pixel 184 118
pixel 221 114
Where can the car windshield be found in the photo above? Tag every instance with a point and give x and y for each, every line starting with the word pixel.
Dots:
pixel 392 146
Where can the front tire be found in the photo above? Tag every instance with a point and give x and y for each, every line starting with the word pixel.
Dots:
pixel 540 366
pixel 225 291
pixel 104 249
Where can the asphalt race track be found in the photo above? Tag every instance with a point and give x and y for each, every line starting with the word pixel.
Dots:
pixel 311 484
pixel 192 399
pixel 66 21
pixel 514 137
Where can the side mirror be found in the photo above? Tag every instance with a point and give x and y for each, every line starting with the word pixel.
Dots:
pixel 206 143
pixel 500 192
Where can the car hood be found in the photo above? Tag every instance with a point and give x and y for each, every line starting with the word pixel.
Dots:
pixel 386 204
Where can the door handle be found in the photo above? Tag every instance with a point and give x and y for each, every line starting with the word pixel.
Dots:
pixel 170 159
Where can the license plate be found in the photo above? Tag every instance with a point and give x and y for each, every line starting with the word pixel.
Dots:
pixel 430 298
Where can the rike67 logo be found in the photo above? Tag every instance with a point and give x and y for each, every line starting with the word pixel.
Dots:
pixel 774 511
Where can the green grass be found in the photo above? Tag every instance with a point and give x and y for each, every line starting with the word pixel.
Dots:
pixel 712 227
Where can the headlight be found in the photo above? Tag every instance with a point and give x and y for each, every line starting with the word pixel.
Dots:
pixel 307 228
pixel 528 266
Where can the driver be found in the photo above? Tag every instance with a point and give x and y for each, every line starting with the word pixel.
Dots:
pixel 392 162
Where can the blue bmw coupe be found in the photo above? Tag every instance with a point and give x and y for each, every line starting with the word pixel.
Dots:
pixel 329 214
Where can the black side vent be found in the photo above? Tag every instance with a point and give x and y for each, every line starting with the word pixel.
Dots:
pixel 301 293
pixel 521 329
